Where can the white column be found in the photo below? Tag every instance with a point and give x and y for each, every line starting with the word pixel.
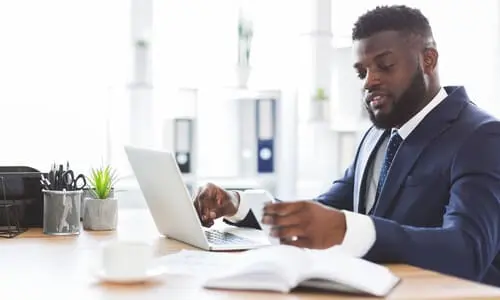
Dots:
pixel 317 155
pixel 140 87
pixel 315 53
pixel 321 37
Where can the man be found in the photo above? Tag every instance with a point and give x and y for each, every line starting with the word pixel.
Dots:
pixel 424 187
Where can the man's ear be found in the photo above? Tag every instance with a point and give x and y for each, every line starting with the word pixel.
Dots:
pixel 430 60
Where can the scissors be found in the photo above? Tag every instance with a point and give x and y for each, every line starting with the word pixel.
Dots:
pixel 70 182
pixel 45 183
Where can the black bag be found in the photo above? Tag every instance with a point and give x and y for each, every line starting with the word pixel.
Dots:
pixel 21 199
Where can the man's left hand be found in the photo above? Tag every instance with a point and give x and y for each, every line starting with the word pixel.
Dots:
pixel 305 224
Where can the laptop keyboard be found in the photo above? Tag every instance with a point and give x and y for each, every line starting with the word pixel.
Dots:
pixel 221 238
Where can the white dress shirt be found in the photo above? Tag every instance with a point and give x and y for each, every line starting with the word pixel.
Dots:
pixel 358 225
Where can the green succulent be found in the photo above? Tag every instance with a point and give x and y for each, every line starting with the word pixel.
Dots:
pixel 101 181
pixel 320 95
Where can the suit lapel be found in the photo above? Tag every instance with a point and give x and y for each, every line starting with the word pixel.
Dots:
pixel 366 153
pixel 433 125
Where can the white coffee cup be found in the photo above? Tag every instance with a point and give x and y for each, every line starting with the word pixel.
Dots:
pixel 257 207
pixel 126 259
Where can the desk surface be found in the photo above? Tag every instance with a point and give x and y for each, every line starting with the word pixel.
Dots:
pixel 36 266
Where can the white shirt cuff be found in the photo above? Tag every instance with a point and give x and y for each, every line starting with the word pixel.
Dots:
pixel 360 234
pixel 251 200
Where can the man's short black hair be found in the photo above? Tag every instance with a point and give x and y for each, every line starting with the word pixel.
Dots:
pixel 395 17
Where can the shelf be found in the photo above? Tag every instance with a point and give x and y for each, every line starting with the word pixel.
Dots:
pixel 140 85
pixel 237 182
pixel 251 94
pixel 348 126
pixel 130 183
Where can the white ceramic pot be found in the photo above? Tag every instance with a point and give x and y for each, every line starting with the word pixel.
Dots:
pixel 100 214
pixel 319 111
pixel 243 74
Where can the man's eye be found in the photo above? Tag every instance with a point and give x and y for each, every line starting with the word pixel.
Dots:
pixel 385 67
pixel 361 74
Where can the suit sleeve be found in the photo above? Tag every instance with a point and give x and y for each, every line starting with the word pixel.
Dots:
pixel 249 221
pixel 469 238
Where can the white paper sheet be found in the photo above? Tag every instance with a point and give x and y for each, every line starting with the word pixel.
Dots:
pixel 196 263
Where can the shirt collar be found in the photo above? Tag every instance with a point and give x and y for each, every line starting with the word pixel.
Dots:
pixel 405 130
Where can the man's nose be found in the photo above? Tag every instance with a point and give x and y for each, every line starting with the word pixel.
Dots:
pixel 372 81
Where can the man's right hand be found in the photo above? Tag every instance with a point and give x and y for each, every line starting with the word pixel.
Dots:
pixel 212 202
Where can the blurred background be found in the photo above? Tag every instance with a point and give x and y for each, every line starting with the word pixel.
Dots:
pixel 248 94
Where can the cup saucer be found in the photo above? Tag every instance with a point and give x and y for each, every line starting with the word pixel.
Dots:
pixel 150 274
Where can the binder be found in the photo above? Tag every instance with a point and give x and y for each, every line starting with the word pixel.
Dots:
pixel 266 131
pixel 247 137
pixel 183 137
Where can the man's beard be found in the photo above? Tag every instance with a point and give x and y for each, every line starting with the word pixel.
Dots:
pixel 405 108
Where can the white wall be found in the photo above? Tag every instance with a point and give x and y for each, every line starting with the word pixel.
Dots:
pixel 59 62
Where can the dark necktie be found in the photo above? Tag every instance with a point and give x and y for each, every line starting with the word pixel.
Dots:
pixel 390 152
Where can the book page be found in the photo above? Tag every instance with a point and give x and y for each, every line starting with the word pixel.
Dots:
pixel 269 268
pixel 353 273
pixel 282 260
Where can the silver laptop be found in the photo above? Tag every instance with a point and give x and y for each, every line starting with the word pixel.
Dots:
pixel 171 206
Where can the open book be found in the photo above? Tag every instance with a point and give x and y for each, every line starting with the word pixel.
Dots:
pixel 282 268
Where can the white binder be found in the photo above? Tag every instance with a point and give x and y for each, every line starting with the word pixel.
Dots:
pixel 183 143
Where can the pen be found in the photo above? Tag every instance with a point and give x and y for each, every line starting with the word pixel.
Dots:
pixel 59 177
pixel 293 238
pixel 52 176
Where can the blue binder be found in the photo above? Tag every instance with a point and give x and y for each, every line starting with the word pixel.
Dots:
pixel 266 132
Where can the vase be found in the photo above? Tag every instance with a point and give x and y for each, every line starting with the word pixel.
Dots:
pixel 243 74
pixel 319 111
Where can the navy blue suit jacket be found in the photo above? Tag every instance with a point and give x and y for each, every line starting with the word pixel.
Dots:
pixel 440 206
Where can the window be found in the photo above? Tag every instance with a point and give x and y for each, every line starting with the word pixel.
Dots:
pixel 61 61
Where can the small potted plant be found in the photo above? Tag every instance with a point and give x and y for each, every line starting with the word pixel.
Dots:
pixel 245 35
pixel 100 211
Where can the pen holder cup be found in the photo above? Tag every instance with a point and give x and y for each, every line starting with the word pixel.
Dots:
pixel 61 212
